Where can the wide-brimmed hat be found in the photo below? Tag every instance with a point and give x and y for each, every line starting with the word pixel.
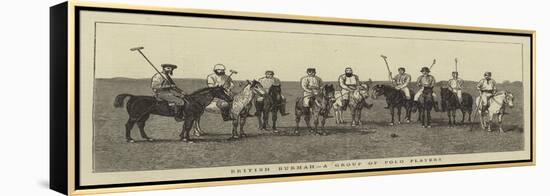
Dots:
pixel 311 70
pixel 454 72
pixel 487 73
pixel 425 69
pixel 169 65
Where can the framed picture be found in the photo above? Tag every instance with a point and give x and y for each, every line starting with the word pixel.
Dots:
pixel 146 98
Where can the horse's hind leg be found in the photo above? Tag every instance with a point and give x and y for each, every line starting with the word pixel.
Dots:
pixel 234 133
pixel 454 117
pixel 241 128
pixel 187 126
pixel 141 126
pixel 392 112
pixel 274 120
pixel 449 116
pixel 399 115
pixel 129 125
pixel 500 123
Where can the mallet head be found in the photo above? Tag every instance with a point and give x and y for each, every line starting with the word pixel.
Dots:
pixel 233 71
pixel 136 48
pixel 383 56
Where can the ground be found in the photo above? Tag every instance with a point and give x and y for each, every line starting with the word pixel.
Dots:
pixel 374 140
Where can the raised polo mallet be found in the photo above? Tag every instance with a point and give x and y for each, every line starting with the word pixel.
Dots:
pixel 150 63
pixel 433 63
pixel 387 65
pixel 456 64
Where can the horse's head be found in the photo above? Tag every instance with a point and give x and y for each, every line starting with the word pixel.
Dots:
pixel 364 89
pixel 445 92
pixel 428 90
pixel 275 91
pixel 328 92
pixel 256 87
pixel 378 90
pixel 509 99
pixel 221 93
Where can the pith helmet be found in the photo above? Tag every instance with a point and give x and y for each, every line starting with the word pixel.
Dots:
pixel 425 69
pixel 310 70
pixel 269 72
pixel 169 65
pixel 219 67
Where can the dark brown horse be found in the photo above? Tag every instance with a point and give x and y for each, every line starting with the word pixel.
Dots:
pixel 319 106
pixel 271 103
pixel 395 99
pixel 139 109
pixel 425 104
pixel 450 103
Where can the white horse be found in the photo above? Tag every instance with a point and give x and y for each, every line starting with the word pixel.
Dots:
pixel 239 108
pixel 357 101
pixel 497 104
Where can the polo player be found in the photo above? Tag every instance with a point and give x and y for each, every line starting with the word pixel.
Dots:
pixel 165 89
pixel 455 85
pixel 270 80
pixel 348 82
pixel 425 80
pixel 487 88
pixel 219 78
pixel 311 84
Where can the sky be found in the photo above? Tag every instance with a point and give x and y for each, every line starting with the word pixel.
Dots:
pixel 289 49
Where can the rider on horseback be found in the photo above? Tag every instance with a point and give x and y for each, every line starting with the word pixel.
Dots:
pixel 219 78
pixel 487 88
pixel 311 84
pixel 165 89
pixel 348 82
pixel 425 80
pixel 268 81
pixel 455 85
pixel 401 82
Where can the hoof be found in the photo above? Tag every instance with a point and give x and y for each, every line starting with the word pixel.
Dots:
pixel 429 126
pixel 243 135
pixel 186 141
pixel 150 139
pixel 398 122
pixel 130 141
pixel 408 121
pixel 391 124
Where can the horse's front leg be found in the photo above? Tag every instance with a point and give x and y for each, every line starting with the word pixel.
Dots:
pixel 359 111
pixel 392 112
pixel 449 117
pixel 297 119
pixel 429 119
pixel 242 123
pixel 187 126
pixel 490 122
pixel 500 122
pixel 353 117
pixel 234 132
pixel 399 115
pixel 454 117
pixel 274 120
pixel 316 122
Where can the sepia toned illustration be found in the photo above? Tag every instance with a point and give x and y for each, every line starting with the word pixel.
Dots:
pixel 197 95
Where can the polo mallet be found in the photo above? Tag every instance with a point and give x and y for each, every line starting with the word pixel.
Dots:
pixel 387 66
pixel 456 65
pixel 231 72
pixel 433 63
pixel 150 63
pixel 475 114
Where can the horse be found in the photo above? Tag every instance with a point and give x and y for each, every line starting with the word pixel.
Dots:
pixel 395 99
pixel 139 109
pixel 357 101
pixel 319 106
pixel 450 103
pixel 242 102
pixel 426 103
pixel 272 103
pixel 497 105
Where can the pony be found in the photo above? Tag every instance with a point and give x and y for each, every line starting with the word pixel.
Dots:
pixel 140 108
pixel 497 105
pixel 395 99
pixel 272 103
pixel 450 103
pixel 426 103
pixel 319 106
pixel 357 101
pixel 242 102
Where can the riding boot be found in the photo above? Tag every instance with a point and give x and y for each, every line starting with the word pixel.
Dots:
pixel 178 113
pixel 345 104
pixel 226 114
pixel 282 109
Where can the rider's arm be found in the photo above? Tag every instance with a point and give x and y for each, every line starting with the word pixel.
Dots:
pixel 304 84
pixel 432 82
pixel 479 84
pixel 157 82
pixel 342 82
pixel 419 81
pixel 210 81
pixel 405 82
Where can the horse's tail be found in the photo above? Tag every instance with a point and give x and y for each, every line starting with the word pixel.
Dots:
pixel 119 100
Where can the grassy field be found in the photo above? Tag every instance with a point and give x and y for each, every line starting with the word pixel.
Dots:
pixel 113 153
